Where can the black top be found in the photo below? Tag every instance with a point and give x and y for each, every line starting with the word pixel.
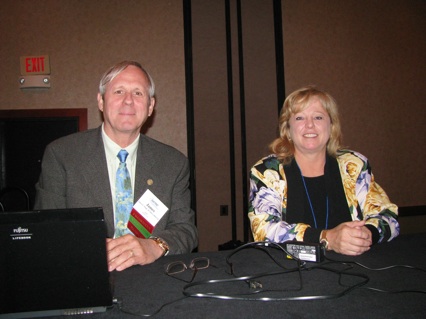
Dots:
pixel 316 194
pixel 319 189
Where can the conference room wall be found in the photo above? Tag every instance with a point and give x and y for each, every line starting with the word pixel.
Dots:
pixel 370 56
pixel 83 39
pixel 367 54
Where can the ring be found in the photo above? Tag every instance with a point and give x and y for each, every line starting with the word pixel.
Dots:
pixel 131 253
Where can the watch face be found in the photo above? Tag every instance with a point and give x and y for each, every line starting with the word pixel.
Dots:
pixel 162 244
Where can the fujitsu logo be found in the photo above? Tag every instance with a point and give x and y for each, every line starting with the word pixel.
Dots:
pixel 20 230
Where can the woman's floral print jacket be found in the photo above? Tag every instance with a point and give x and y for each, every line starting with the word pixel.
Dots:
pixel 365 198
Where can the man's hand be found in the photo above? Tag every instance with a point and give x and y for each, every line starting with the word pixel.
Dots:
pixel 128 250
pixel 350 238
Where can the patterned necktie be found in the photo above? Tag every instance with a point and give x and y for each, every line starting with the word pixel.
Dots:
pixel 123 196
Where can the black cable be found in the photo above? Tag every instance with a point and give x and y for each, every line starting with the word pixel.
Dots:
pixel 246 297
pixel 265 244
pixel 394 291
pixel 257 289
pixel 262 246
pixel 128 312
pixel 349 263
pixel 253 283
pixel 374 269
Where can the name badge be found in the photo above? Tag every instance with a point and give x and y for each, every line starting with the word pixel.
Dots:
pixel 145 214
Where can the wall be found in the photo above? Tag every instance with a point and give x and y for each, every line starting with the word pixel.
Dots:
pixel 368 54
pixel 83 39
pixel 219 142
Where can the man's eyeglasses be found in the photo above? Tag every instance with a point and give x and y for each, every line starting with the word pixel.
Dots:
pixel 195 265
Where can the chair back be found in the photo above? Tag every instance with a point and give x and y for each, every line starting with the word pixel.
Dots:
pixel 14 199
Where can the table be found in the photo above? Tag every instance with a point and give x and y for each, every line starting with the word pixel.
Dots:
pixel 144 289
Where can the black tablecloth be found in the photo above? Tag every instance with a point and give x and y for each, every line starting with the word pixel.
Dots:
pixel 145 289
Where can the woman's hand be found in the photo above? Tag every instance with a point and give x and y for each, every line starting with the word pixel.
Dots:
pixel 350 238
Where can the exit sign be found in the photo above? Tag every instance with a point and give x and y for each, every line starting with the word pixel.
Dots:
pixel 33 65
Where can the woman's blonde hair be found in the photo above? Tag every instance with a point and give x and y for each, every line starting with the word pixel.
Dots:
pixel 297 101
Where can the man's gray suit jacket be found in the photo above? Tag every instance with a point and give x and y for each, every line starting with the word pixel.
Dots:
pixel 75 174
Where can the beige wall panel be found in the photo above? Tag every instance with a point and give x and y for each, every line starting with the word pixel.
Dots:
pixel 84 38
pixel 370 56
pixel 260 86
pixel 211 123
pixel 212 148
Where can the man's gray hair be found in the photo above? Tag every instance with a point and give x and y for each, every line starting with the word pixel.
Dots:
pixel 115 70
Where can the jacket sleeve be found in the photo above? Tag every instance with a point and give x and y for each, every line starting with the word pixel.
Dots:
pixel 50 188
pixel 177 227
pixel 366 199
pixel 268 200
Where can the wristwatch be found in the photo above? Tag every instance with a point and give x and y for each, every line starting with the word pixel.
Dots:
pixel 163 245
pixel 323 239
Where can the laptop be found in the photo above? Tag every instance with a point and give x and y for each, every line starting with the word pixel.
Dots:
pixel 53 262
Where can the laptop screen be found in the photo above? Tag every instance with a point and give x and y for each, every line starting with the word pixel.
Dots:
pixel 53 262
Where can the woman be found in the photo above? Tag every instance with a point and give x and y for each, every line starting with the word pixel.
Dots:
pixel 309 189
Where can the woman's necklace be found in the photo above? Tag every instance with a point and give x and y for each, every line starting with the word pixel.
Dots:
pixel 310 203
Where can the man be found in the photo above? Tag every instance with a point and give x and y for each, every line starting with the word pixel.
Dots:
pixel 79 170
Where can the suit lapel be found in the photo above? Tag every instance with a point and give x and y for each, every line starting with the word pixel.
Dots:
pixel 96 176
pixel 144 163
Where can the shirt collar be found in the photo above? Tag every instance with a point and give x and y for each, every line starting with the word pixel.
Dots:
pixel 113 148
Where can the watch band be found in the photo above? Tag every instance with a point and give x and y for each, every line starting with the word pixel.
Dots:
pixel 163 245
pixel 323 239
